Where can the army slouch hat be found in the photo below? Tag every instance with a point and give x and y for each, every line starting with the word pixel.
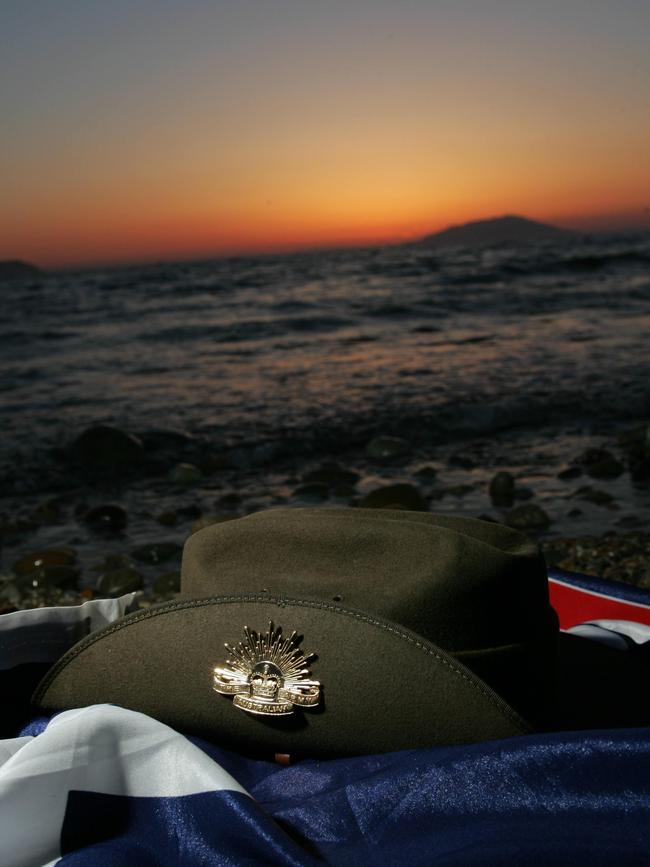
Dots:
pixel 331 632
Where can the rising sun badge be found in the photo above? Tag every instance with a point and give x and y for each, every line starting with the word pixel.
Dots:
pixel 267 674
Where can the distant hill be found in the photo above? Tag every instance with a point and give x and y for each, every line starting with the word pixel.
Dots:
pixel 14 269
pixel 499 230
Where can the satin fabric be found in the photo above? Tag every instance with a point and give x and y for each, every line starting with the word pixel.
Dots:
pixel 579 798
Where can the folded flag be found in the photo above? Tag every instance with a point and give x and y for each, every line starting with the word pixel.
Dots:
pixel 107 786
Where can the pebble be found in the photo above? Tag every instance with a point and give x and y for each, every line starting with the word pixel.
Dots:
pixel 157 552
pixel 400 496
pixel 528 517
pixel 117 582
pixel 107 519
pixel 313 491
pixel 168 583
pixel 228 501
pixel 386 448
pixel 331 474
pixel 209 520
pixel 426 472
pixel 49 577
pixel 185 474
pixel 593 495
pixel 44 559
pixel 570 473
pixel 107 450
pixel 600 464
pixel 49 512
pixel 458 490
pixel 502 489
pixel 113 561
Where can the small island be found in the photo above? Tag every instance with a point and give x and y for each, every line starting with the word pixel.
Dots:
pixel 498 230
pixel 15 269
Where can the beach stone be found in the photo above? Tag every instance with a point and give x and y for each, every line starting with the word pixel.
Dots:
pixel 458 490
pixel 112 562
pixel 119 581
pixel 167 519
pixel 44 559
pixel 185 474
pixel 593 495
pixel 600 464
pixel 157 552
pixel 426 472
pixel 387 448
pixel 48 512
pixel 108 518
pixel 344 491
pixel 528 517
pixel 331 474
pixel 13 529
pixel 463 460
pixel 228 501
pixel 168 583
pixel 570 473
pixel 399 496
pixel 48 578
pixel 107 450
pixel 313 491
pixel 212 463
pixel 502 488
pixel 209 520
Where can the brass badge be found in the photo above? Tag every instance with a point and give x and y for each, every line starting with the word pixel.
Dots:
pixel 267 674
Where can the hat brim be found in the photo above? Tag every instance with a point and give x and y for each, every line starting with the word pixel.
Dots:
pixel 384 688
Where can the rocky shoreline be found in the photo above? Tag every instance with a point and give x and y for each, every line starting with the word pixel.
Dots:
pixel 108 515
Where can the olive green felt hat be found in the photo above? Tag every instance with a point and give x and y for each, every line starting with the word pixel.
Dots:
pixel 322 632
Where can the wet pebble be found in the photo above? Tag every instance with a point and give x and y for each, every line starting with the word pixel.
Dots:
pixel 331 474
pixel 117 582
pixel 502 489
pixel 167 584
pixel 49 577
pixel 400 496
pixel 44 559
pixel 386 449
pixel 528 517
pixel 185 474
pixel 570 473
pixel 312 491
pixel 209 520
pixel 107 450
pixel 593 495
pixel 48 512
pixel 426 472
pixel 106 519
pixel 600 464
pixel 157 552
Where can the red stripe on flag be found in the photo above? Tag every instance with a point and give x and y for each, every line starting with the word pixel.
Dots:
pixel 575 605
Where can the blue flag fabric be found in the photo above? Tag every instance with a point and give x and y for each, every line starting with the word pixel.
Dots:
pixel 107 786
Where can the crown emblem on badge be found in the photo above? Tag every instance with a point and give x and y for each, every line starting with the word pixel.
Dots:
pixel 267 674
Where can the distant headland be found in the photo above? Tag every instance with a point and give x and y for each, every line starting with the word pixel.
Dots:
pixel 498 230
pixel 14 269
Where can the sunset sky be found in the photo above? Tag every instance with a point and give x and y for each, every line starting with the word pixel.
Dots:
pixel 161 129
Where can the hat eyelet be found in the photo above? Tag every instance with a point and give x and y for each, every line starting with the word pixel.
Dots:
pixel 337 598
